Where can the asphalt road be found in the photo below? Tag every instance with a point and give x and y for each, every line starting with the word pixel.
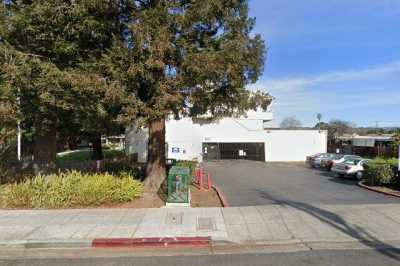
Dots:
pixel 248 183
pixel 306 258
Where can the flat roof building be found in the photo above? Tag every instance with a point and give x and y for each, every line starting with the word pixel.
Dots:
pixel 232 138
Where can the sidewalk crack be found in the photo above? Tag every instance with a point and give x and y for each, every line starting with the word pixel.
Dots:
pixel 139 223
pixel 284 223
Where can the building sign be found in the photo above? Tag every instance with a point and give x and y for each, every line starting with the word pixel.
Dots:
pixel 178 150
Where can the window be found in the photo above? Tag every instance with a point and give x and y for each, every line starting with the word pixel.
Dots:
pixel 352 162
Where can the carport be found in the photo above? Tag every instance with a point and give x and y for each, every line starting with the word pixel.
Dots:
pixel 234 151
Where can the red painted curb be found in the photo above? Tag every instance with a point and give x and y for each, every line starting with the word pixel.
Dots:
pixel 360 184
pixel 152 242
pixel 221 196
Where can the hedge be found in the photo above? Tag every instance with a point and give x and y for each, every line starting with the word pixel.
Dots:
pixel 382 171
pixel 71 189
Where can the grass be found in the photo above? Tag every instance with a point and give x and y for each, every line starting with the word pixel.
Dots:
pixel 71 189
pixel 85 155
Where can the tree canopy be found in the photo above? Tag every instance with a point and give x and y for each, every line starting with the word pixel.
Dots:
pixel 187 58
pixel 184 58
pixel 49 52
pixel 75 63
pixel 291 123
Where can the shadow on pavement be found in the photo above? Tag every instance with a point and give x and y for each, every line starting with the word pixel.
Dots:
pixel 340 224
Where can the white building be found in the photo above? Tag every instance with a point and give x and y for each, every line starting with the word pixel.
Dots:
pixel 232 138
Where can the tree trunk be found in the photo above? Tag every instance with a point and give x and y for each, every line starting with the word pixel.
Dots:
pixel 45 150
pixel 156 169
pixel 97 153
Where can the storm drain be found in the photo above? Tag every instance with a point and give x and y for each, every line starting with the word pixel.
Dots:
pixel 174 218
pixel 206 224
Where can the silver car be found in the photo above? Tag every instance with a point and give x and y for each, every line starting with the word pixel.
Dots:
pixel 344 158
pixel 316 162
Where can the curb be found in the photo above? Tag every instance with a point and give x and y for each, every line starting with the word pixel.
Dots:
pixel 360 184
pixel 221 196
pixel 49 243
pixel 151 242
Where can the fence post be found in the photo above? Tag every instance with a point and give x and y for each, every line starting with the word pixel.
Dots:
pixel 209 182
pixel 98 165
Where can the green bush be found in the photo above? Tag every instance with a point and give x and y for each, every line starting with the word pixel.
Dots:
pixel 71 189
pixel 9 165
pixel 121 167
pixel 393 162
pixel 379 172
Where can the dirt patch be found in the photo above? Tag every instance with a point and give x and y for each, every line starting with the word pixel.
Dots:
pixel 204 198
pixel 200 198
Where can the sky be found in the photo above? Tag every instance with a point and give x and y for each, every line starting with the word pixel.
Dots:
pixel 340 58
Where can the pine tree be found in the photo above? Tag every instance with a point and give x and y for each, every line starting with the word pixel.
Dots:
pixel 184 58
pixel 49 50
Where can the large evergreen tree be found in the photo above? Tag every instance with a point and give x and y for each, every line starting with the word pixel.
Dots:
pixel 184 58
pixel 48 55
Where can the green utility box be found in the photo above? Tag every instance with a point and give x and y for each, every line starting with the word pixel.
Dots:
pixel 178 186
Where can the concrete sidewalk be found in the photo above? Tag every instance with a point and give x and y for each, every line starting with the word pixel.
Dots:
pixel 289 223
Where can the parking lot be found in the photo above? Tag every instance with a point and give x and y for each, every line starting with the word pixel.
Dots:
pixel 248 183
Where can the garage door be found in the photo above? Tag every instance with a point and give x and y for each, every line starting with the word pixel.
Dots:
pixel 234 151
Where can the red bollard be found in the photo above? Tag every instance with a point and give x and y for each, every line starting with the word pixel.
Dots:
pixel 201 178
pixel 201 181
pixel 209 182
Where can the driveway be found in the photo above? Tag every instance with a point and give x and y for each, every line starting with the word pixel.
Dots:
pixel 249 183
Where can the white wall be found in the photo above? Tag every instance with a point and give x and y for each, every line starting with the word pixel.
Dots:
pixel 185 135
pixel 184 139
pixel 294 145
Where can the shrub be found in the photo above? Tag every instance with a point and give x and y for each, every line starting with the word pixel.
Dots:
pixel 379 173
pixel 121 167
pixel 9 165
pixel 393 162
pixel 71 189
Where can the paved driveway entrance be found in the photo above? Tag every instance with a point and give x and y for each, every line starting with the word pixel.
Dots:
pixel 247 183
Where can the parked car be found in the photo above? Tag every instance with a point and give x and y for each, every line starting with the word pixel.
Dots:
pixel 338 158
pixel 310 159
pixel 351 167
pixel 326 163
pixel 317 161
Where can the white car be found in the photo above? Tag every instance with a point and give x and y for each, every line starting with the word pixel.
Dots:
pixel 351 167
pixel 340 158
